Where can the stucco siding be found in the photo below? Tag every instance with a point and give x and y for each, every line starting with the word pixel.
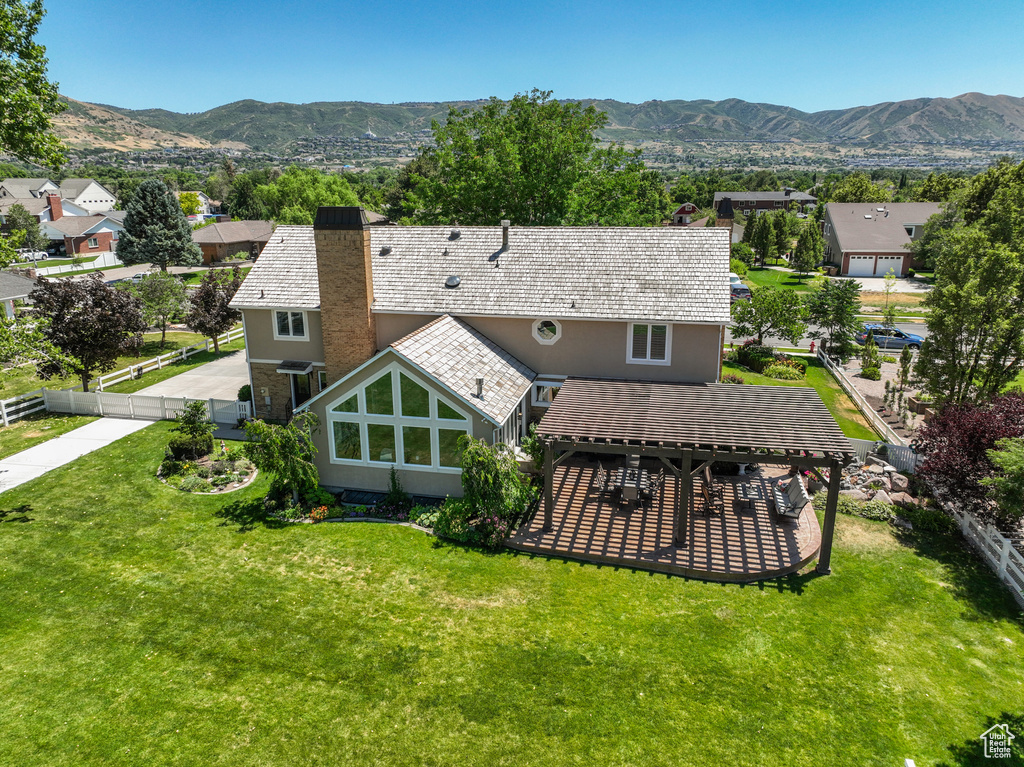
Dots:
pixel 261 344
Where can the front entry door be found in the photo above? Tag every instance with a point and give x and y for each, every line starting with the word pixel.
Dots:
pixel 300 389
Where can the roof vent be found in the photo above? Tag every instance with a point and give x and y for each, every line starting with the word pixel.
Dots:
pixel 387 250
pixel 456 234
pixel 445 252
pixel 867 216
pixel 453 281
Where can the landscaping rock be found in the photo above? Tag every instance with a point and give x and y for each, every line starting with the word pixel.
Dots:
pixel 883 496
pixel 880 483
pixel 903 499
pixel 899 483
pixel 904 523
pixel 857 495
pixel 874 460
pixel 874 468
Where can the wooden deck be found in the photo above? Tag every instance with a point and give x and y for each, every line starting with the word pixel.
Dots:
pixel 742 544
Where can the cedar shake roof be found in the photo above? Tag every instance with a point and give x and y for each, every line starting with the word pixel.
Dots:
pixel 674 274
pixel 721 416
pixel 856 233
pixel 456 354
pixel 233 231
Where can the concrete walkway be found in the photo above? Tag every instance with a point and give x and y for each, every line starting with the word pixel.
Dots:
pixel 38 460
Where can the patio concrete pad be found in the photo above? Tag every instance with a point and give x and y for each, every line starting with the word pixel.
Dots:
pixel 220 379
pixel 36 461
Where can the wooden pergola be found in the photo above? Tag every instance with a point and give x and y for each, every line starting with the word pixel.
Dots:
pixel 686 426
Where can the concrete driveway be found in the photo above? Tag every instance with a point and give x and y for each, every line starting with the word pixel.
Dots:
pixel 877 284
pixel 220 379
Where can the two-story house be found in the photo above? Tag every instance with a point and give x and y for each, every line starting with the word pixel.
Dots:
pixel 400 339
pixel 757 202
pixel 868 239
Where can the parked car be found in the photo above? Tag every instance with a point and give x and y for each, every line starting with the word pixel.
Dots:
pixel 739 292
pixel 139 276
pixel 734 279
pixel 889 338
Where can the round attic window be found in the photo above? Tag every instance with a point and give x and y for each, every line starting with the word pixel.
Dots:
pixel 547 331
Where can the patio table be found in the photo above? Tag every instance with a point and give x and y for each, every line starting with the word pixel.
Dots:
pixel 632 482
pixel 747 493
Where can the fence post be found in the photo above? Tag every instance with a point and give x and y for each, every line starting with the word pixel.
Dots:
pixel 207 344
pixel 163 408
pixel 131 407
pixel 209 405
pixel 158 362
pixel 71 401
pixel 99 403
pixel 99 384
pixel 3 412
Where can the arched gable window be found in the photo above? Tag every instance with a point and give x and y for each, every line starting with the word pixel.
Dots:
pixel 396 419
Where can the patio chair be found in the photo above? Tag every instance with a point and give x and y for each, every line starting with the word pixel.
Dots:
pixel 791 499
pixel 632 462
pixel 601 477
pixel 714 501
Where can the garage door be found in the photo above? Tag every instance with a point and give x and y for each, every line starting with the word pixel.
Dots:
pixel 861 266
pixel 885 263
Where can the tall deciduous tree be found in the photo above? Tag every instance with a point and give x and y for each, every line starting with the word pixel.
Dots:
pixel 832 312
pixel 163 298
pixel 294 196
pixel 809 249
pixel 90 322
pixel 534 161
pixel 210 313
pixel 770 312
pixel 28 101
pixel 20 220
pixel 858 187
pixel 190 203
pixel 975 343
pixel 156 230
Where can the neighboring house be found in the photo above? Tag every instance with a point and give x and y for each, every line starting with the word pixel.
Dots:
pixel 400 339
pixel 749 202
pixel 14 287
pixel 24 188
pixel 88 194
pixel 868 239
pixel 219 241
pixel 47 208
pixel 207 207
pixel 84 234
pixel 684 214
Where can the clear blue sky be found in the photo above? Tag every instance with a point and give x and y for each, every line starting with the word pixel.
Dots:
pixel 189 56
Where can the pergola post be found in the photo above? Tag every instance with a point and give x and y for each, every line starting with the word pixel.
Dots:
pixel 835 477
pixel 683 500
pixel 549 483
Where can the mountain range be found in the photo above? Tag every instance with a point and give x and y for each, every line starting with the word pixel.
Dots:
pixel 273 127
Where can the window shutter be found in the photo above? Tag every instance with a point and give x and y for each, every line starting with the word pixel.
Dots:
pixel 659 342
pixel 639 342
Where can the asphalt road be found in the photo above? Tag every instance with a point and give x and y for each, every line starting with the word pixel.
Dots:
pixel 918 328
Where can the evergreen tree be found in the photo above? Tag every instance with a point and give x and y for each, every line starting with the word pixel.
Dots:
pixel 156 230
pixel 763 238
pixel 808 251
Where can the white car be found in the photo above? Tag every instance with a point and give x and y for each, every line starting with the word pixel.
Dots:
pixel 734 279
pixel 140 276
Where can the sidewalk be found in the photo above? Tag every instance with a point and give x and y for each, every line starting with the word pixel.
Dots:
pixel 36 461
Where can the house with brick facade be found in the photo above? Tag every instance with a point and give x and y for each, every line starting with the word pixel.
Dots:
pixel 402 338
pixel 230 238
pixel 84 235
pixel 757 202
pixel 868 239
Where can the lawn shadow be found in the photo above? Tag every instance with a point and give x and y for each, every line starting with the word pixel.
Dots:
pixel 972 750
pixel 247 515
pixel 970 579
pixel 17 514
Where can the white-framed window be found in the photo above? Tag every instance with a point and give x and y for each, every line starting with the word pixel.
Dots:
pixel 290 325
pixel 93 242
pixel 828 229
pixel 649 344
pixel 544 390
pixel 778 203
pixel 547 331
pixel 321 380
pixel 909 230
pixel 396 419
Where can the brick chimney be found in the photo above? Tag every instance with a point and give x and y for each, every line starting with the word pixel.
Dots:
pixel 56 210
pixel 344 271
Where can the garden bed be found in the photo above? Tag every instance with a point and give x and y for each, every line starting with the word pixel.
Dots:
pixel 207 475
pixel 874 393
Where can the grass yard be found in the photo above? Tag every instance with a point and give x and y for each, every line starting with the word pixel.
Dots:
pixel 37 428
pixel 192 279
pixel 760 277
pixel 152 377
pixel 838 403
pixel 65 261
pixel 23 380
pixel 142 626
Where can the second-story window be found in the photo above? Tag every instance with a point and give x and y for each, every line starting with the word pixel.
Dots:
pixel 649 344
pixel 289 324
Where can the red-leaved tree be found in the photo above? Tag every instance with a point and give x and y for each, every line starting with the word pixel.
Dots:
pixel 955 443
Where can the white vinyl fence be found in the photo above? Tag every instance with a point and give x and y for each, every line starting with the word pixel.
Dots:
pixel 106 260
pixel 997 550
pixel 862 404
pixel 18 407
pixel 140 406
pixel 905 459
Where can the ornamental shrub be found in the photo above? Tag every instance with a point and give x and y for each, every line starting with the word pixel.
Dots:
pixel 737 267
pixel 732 378
pixel 453 521
pixel 871 373
pixel 194 485
pixel 783 373
pixel 183 447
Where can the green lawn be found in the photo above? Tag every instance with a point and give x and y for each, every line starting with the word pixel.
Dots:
pixel 36 428
pixel 66 261
pixel 143 626
pixel 152 377
pixel 760 277
pixel 839 404
pixel 23 379
pixel 192 279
